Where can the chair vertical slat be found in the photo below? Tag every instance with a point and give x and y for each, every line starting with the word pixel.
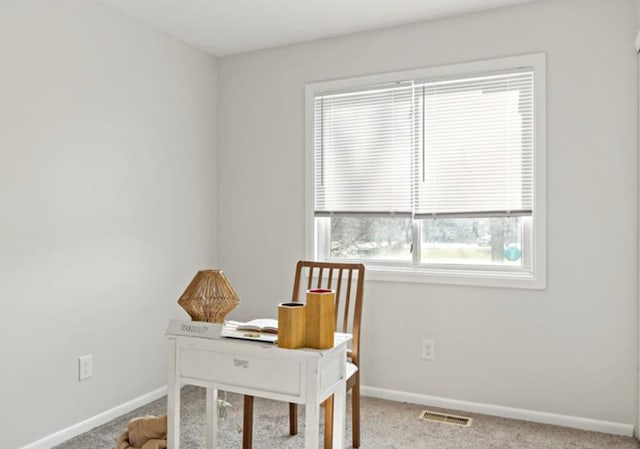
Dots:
pixel 338 289
pixel 310 280
pixel 337 299
pixel 320 278
pixel 347 301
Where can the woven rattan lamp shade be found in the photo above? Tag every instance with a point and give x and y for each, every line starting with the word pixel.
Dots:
pixel 209 297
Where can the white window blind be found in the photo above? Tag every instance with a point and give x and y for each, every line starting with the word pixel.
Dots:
pixel 363 144
pixel 446 148
pixel 476 145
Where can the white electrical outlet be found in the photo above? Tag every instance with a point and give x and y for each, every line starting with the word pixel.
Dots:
pixel 428 349
pixel 85 367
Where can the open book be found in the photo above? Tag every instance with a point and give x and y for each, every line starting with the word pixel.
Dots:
pixel 260 325
pixel 263 329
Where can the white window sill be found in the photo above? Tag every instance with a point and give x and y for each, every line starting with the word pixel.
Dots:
pixel 478 278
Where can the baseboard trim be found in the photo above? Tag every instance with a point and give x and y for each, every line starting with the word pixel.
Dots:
pixel 97 420
pixel 504 412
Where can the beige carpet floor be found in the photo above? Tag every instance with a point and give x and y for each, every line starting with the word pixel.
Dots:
pixel 385 425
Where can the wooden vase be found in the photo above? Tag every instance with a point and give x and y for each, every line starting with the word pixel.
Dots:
pixel 291 325
pixel 321 321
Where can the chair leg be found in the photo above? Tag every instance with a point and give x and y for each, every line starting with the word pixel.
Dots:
pixel 355 411
pixel 247 425
pixel 328 423
pixel 293 419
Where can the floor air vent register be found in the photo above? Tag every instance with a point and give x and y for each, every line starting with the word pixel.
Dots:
pixel 446 418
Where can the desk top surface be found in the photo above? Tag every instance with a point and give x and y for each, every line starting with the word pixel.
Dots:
pixel 211 331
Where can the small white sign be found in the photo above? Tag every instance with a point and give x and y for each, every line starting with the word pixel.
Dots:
pixel 198 329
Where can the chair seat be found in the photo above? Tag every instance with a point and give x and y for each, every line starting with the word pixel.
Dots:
pixel 351 370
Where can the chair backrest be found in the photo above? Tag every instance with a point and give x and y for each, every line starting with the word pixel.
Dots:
pixel 347 280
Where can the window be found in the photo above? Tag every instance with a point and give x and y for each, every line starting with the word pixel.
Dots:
pixel 431 175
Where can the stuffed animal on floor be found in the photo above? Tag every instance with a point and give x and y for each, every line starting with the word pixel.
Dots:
pixel 147 432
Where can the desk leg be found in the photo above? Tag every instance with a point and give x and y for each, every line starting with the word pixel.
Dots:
pixel 312 407
pixel 339 406
pixel 173 400
pixel 312 425
pixel 212 419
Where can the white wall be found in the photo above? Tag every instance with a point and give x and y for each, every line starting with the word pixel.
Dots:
pixel 571 349
pixel 107 206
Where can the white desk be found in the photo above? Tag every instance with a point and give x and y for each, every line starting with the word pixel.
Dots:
pixel 199 356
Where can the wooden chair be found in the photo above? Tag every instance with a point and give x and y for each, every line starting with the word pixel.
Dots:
pixel 340 277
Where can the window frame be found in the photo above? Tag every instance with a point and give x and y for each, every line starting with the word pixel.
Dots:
pixel 532 277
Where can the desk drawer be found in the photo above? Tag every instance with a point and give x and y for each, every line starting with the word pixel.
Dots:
pixel 259 373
